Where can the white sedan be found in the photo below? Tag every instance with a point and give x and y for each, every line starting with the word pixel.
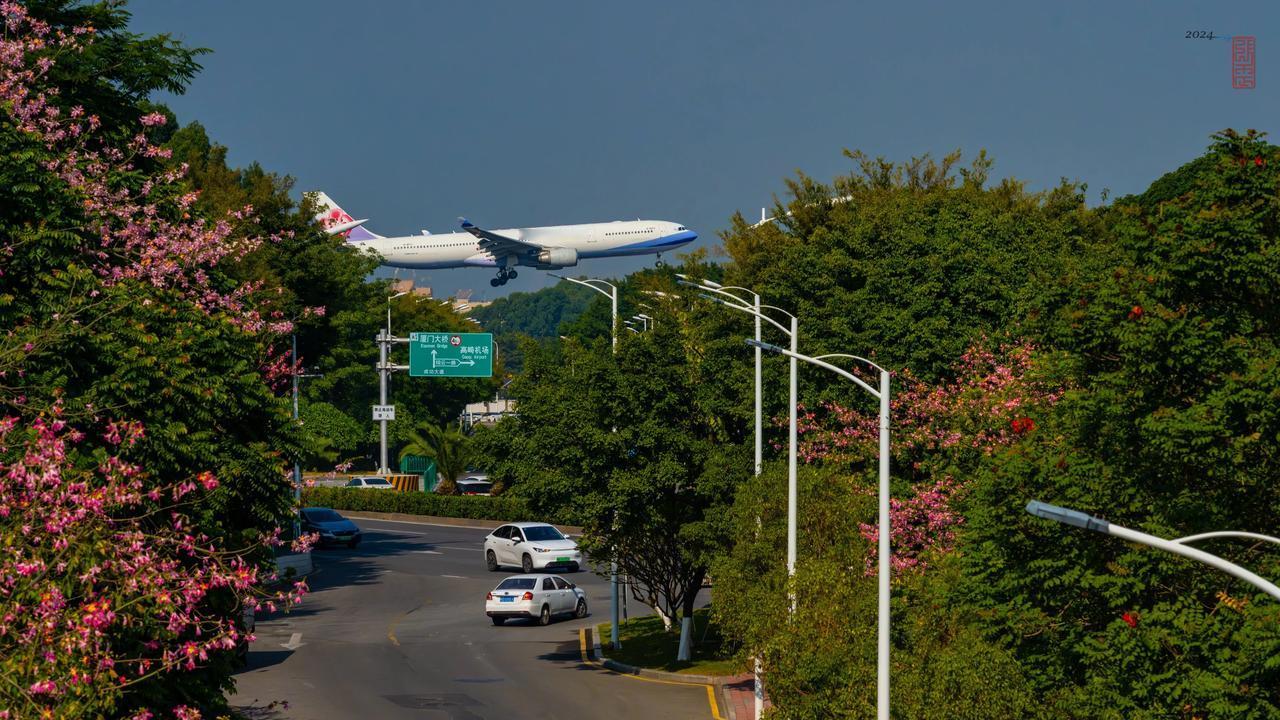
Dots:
pixel 370 482
pixel 534 596
pixel 531 546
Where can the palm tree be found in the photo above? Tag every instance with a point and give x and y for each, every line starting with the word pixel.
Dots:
pixel 447 446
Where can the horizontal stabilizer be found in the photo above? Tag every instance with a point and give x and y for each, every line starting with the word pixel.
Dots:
pixel 343 227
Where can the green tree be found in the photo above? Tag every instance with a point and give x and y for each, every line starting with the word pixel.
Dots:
pixel 1173 348
pixel 908 263
pixel 622 445
pixel 445 444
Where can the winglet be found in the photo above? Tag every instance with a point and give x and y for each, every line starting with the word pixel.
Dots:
pixel 466 224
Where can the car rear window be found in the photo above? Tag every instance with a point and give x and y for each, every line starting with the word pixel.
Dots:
pixel 542 532
pixel 376 481
pixel 518 584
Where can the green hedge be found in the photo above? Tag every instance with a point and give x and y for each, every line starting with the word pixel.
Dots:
pixel 475 507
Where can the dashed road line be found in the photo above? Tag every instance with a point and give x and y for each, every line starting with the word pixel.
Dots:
pixel 391 627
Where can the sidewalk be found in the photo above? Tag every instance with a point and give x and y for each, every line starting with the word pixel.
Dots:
pixel 739 697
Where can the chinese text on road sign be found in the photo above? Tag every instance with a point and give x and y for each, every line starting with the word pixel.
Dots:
pixel 442 354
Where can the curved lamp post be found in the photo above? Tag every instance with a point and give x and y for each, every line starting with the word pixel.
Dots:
pixel 721 295
pixel 1068 516
pixel 384 347
pixel 754 308
pixel 1230 534
pixel 612 294
pixel 882 639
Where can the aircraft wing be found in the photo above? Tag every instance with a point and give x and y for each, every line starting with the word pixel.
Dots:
pixel 499 245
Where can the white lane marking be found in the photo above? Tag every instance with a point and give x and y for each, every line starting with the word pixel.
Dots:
pixel 456 577
pixel 427 552
pixel 295 642
pixel 442 547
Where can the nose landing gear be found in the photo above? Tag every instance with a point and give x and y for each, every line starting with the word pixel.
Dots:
pixel 503 276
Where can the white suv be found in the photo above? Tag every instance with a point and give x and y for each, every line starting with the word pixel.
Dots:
pixel 530 546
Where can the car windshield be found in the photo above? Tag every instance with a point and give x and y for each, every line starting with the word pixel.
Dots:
pixel 519 584
pixel 542 532
pixel 322 515
pixel 376 481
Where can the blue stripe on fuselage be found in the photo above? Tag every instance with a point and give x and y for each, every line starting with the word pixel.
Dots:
pixel 666 241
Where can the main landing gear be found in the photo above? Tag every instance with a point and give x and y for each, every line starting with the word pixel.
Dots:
pixel 503 276
pixel 659 264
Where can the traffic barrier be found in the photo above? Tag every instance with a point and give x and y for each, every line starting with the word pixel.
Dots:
pixel 406 483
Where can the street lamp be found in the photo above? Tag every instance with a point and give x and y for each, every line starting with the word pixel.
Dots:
pixel 882 649
pixel 297 465
pixel 384 345
pixel 754 310
pixel 1228 533
pixel 1067 516
pixel 612 294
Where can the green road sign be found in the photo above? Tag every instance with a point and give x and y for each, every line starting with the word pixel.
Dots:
pixel 443 354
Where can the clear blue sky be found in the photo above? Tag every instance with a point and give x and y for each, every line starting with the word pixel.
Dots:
pixel 526 113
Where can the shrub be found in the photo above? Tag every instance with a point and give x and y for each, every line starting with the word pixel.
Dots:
pixel 476 507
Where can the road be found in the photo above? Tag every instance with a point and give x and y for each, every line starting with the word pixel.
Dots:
pixel 396 629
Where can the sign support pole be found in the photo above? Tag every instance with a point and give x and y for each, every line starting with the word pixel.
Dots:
pixel 382 398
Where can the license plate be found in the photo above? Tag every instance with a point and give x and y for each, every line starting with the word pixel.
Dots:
pixel 508 598
pixel 562 559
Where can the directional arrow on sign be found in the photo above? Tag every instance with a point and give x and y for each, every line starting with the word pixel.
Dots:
pixel 450 362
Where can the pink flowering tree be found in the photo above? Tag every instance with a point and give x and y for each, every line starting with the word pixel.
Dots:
pixel 103 581
pixel 141 443
pixel 938 433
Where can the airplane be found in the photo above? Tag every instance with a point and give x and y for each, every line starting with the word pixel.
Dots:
pixel 543 248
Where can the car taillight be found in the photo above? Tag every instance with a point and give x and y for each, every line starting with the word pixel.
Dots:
pixel 488 596
pixel 527 596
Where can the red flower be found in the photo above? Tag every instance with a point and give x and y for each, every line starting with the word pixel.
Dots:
pixel 1130 619
pixel 1022 425
pixel 1258 161
pixel 1135 313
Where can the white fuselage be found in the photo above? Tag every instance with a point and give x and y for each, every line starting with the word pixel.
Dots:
pixel 593 240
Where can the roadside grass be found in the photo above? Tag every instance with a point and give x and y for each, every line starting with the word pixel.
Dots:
pixel 645 644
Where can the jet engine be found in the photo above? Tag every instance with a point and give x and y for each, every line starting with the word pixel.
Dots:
pixel 557 257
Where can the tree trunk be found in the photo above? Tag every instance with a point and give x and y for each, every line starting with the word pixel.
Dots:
pixel 666 619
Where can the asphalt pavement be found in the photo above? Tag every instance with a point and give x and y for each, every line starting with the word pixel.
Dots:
pixel 396 629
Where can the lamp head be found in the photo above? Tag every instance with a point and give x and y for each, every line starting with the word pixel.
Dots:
pixel 764 345
pixel 1067 516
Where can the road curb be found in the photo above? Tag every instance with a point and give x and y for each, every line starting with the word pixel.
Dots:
pixel 449 521
pixel 625 669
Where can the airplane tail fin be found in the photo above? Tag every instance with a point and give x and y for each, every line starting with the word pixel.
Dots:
pixel 336 221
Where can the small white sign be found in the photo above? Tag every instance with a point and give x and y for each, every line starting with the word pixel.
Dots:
pixel 384 412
